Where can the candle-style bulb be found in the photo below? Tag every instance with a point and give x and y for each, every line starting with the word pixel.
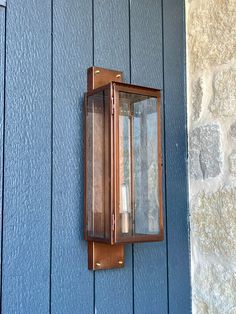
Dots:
pixel 124 193
pixel 125 209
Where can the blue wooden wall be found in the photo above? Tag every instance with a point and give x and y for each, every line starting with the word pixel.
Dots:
pixel 46 47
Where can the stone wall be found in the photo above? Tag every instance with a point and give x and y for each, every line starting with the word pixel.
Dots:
pixel 211 79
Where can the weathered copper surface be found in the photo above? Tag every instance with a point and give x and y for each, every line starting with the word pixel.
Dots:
pixel 98 77
pixel 103 255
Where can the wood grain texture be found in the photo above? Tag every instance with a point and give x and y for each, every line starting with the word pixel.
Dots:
pixel 2 87
pixel 150 267
pixel 72 282
pixel 27 193
pixel 176 156
pixel 113 288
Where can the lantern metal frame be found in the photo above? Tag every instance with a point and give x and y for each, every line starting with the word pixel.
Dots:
pixel 109 253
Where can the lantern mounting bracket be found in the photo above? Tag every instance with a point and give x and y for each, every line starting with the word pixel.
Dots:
pixel 103 255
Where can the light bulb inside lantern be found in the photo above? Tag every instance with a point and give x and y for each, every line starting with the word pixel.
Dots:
pixel 125 209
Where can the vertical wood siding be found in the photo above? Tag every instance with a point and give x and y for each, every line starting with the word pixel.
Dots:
pixel 176 156
pixel 27 163
pixel 72 283
pixel 2 95
pixel 49 46
pixel 150 267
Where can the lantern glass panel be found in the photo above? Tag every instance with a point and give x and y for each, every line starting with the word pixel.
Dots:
pixel 139 197
pixel 98 165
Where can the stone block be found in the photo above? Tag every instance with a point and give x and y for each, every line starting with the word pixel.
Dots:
pixel 204 152
pixel 211 33
pixel 232 163
pixel 232 130
pixel 213 224
pixel 197 95
pixel 200 307
pixel 214 290
pixel 223 102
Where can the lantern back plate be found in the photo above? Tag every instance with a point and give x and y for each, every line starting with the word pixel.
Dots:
pixel 98 77
pixel 102 255
pixel 105 256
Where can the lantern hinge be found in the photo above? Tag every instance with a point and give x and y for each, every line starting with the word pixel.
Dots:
pixel 113 106
pixel 113 222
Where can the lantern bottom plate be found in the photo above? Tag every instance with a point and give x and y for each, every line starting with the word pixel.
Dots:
pixel 105 256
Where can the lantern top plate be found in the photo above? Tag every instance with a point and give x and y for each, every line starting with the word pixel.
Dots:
pixel 129 88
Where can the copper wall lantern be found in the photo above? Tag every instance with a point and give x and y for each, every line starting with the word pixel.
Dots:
pixel 123 167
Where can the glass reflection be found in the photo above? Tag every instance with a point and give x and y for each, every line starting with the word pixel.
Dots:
pixel 138 154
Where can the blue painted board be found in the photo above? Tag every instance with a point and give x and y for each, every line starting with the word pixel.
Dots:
pixel 111 35
pixel 150 265
pixel 27 172
pixel 2 88
pixel 176 157
pixel 113 288
pixel 72 282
